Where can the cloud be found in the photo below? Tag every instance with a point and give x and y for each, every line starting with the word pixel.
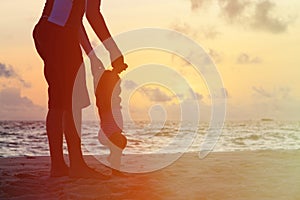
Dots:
pixel 183 61
pixel 184 28
pixel 224 93
pixel 210 32
pixel 156 95
pixel 220 94
pixel 8 72
pixel 199 96
pixel 187 109
pixel 278 103
pixel 216 56
pixel 258 15
pixel 263 20
pixel 129 84
pixel 277 93
pixel 262 92
pixel 193 95
pixel 197 4
pixel 244 59
pixel 233 9
pixel 15 107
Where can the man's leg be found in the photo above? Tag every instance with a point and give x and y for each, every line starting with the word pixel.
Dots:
pixel 55 138
pixel 78 167
pixel 72 134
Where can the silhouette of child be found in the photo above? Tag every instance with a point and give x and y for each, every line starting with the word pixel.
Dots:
pixel 109 108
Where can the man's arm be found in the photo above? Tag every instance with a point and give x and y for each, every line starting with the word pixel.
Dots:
pixel 96 64
pixel 99 26
pixel 84 40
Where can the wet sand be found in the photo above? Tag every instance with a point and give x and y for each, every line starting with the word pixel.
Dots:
pixel 221 175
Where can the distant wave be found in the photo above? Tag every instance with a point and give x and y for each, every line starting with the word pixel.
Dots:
pixel 19 138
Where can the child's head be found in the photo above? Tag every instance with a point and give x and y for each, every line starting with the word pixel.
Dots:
pixel 119 140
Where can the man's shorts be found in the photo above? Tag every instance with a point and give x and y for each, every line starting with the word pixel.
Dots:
pixel 60 50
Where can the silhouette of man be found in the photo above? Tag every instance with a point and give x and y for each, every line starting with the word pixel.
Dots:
pixel 57 37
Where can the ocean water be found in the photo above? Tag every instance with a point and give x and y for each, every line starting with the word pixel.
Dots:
pixel 28 138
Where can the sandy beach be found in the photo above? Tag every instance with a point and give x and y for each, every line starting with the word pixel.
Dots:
pixel 225 175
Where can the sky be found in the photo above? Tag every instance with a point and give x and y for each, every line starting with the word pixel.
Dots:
pixel 255 46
